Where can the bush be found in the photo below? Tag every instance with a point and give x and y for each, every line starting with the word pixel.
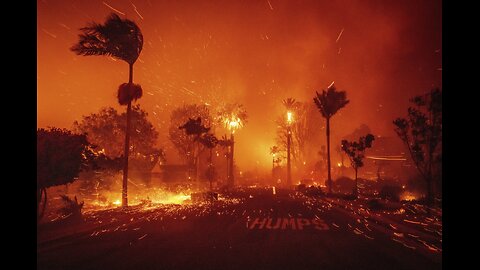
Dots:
pixel 314 191
pixel 374 204
pixel 390 192
pixel 344 184
pixel 71 207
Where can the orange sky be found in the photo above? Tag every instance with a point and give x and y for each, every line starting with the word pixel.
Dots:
pixel 253 52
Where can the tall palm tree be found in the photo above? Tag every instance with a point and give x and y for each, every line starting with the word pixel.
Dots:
pixel 121 39
pixel 329 102
pixel 291 105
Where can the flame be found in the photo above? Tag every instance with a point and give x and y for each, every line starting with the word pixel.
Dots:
pixel 408 196
pixel 106 199
pixel 289 117
pixel 232 123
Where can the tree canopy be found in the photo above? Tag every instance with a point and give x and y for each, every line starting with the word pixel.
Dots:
pixel 106 129
pixel 330 101
pixel 61 155
pixel 421 132
pixel 118 38
pixel 184 143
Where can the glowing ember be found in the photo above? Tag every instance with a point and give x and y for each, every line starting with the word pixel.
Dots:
pixel 408 196
pixel 232 123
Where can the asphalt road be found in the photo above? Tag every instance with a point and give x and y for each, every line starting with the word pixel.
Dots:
pixel 250 230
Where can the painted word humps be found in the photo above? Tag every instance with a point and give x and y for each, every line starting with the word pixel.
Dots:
pixel 287 223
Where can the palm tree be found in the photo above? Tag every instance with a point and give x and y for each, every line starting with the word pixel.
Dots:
pixel 121 39
pixel 328 103
pixel 291 105
pixel 233 116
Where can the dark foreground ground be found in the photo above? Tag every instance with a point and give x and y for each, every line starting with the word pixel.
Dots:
pixel 252 229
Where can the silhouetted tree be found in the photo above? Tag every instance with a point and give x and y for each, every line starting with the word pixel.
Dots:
pixel 421 132
pixel 209 141
pixel 61 155
pixel 356 152
pixel 194 127
pixel 226 144
pixel 329 102
pixel 232 116
pixel 305 132
pixel 183 143
pixel 123 40
pixel 105 130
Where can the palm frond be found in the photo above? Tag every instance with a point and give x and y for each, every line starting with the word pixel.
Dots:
pixel 329 102
pixel 128 93
pixel 118 38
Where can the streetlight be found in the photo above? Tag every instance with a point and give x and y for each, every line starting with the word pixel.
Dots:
pixel 289 139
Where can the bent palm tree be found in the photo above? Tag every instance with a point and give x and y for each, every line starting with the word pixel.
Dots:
pixel 329 103
pixel 121 39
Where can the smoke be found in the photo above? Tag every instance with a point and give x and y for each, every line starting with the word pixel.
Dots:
pixel 250 53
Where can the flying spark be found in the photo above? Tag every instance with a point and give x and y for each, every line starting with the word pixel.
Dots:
pixel 135 8
pixel 269 4
pixel 339 35
pixel 48 33
pixel 116 10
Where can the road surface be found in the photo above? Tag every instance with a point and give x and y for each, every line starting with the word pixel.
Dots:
pixel 253 229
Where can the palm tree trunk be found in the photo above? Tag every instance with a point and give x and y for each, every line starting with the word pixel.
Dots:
pixel 231 173
pixel 355 192
pixel 329 179
pixel 211 165
pixel 289 165
pixel 127 144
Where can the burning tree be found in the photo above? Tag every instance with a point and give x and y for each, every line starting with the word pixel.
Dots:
pixel 421 132
pixel 356 152
pixel 304 132
pixel 233 116
pixel 123 40
pixel 61 155
pixel 329 102
pixel 105 130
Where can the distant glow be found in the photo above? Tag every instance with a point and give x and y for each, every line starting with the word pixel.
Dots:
pixel 232 123
pixel 339 164
pixel 117 202
pixel 289 117
pixel 408 196
pixel 393 158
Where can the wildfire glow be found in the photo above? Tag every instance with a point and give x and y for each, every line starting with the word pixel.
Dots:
pixel 232 123
pixel 408 196
pixel 151 196
pixel 289 117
